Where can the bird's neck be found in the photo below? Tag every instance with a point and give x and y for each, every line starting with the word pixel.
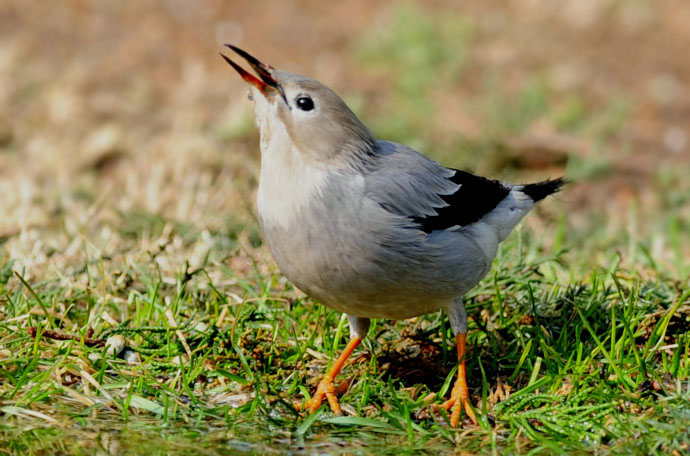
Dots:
pixel 288 182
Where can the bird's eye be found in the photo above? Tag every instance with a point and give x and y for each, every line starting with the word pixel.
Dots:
pixel 305 103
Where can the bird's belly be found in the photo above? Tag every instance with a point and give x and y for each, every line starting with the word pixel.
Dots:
pixel 351 275
pixel 392 306
pixel 348 291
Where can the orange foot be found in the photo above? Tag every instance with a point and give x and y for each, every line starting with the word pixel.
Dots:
pixel 327 388
pixel 459 397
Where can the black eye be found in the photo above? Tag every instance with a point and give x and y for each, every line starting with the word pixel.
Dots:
pixel 305 103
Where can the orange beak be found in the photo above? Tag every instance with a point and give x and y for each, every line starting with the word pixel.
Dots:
pixel 267 84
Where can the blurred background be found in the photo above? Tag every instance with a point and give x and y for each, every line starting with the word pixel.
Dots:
pixel 123 133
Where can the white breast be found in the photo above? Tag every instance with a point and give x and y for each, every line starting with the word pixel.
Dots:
pixel 287 183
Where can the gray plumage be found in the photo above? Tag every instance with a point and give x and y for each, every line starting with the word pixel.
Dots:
pixel 352 248
pixel 354 222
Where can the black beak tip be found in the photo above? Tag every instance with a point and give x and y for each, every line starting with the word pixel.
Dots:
pixel 227 59
pixel 241 52
pixel 253 61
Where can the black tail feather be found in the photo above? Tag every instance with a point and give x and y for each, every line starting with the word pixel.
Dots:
pixel 540 190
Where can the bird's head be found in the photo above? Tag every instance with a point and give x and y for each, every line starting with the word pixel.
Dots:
pixel 304 114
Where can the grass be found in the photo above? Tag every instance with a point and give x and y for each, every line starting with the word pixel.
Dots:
pixel 556 363
pixel 131 233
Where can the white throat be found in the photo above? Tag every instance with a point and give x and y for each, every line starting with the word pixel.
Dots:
pixel 287 183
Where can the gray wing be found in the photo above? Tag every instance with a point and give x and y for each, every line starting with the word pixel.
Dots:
pixel 409 184
pixel 405 182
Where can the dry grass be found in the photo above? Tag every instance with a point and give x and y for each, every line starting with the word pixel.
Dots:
pixel 110 109
pixel 128 155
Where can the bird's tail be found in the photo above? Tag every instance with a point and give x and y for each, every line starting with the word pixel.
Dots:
pixel 540 190
pixel 520 200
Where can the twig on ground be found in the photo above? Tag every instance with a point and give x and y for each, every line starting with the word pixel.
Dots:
pixel 88 340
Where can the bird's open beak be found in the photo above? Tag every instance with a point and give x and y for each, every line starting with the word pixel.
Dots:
pixel 267 84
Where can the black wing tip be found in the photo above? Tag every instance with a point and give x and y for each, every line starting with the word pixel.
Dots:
pixel 475 197
pixel 540 190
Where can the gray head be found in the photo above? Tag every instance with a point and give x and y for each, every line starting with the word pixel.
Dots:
pixel 304 114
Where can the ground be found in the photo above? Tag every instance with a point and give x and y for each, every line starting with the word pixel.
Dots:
pixel 128 172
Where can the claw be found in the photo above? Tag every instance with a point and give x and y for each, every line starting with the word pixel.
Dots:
pixel 327 388
pixel 459 397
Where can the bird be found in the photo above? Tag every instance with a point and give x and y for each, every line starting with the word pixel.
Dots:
pixel 368 227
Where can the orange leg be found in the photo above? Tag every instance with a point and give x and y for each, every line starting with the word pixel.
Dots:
pixel 326 387
pixel 459 397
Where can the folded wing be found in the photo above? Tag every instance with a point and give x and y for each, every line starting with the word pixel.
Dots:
pixel 433 198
